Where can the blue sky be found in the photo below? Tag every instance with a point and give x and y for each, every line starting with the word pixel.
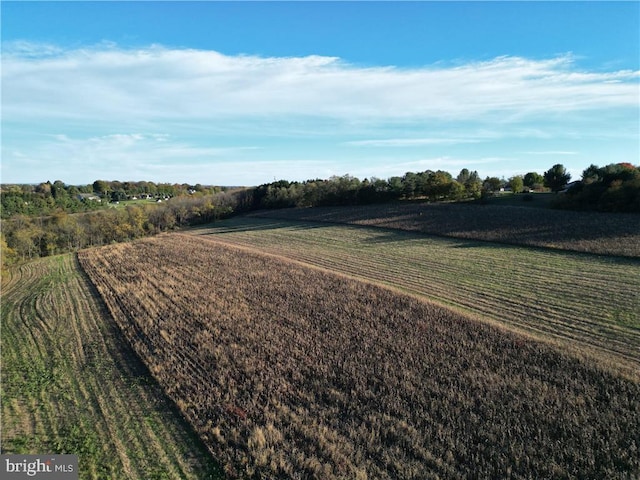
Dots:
pixel 242 93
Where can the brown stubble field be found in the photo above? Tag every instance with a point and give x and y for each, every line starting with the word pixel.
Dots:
pixel 592 232
pixel 587 303
pixel 288 371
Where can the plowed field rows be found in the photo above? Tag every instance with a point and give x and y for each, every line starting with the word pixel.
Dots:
pixel 590 232
pixel 288 371
pixel 72 384
pixel 584 300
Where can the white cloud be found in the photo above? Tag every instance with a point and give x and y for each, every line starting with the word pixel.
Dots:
pixel 156 83
pixel 107 111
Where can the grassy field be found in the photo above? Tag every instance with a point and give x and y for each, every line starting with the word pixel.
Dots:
pixel 289 371
pixel 589 302
pixel 72 384
pixel 498 221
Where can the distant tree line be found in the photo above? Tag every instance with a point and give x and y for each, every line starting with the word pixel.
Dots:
pixel 428 185
pixel 348 190
pixel 52 218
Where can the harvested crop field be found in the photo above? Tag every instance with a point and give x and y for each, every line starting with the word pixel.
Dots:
pixel 592 232
pixel 589 302
pixel 288 371
pixel 72 384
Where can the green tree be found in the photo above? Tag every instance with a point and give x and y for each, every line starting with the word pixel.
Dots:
pixel 556 177
pixel 100 187
pixel 409 184
pixel 438 185
pixel 395 187
pixel 591 174
pixel 533 180
pixel 516 183
pixel 491 184
pixel 457 191
pixel 473 185
pixel 59 190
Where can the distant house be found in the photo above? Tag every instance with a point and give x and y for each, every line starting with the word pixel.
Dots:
pixel 88 196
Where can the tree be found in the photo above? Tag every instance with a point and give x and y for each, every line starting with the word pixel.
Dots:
pixel 473 185
pixel 591 174
pixel 463 176
pixel 556 177
pixel 58 190
pixel 395 187
pixel 456 191
pixel 516 183
pixel 44 189
pixel 532 180
pixel 100 187
pixel 492 184
pixel 409 184
pixel 8 255
pixel 438 185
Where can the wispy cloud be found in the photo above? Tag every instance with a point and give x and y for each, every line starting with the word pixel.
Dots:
pixel 550 152
pixel 160 83
pixel 410 142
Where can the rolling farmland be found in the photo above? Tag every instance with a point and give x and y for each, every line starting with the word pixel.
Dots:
pixel 72 384
pixel 288 371
pixel 586 301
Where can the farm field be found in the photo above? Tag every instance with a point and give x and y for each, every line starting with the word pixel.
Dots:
pixel 591 232
pixel 72 384
pixel 588 302
pixel 290 371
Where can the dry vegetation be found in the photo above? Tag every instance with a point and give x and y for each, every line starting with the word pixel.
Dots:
pixel 585 301
pixel 291 372
pixel 72 384
pixel 601 233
